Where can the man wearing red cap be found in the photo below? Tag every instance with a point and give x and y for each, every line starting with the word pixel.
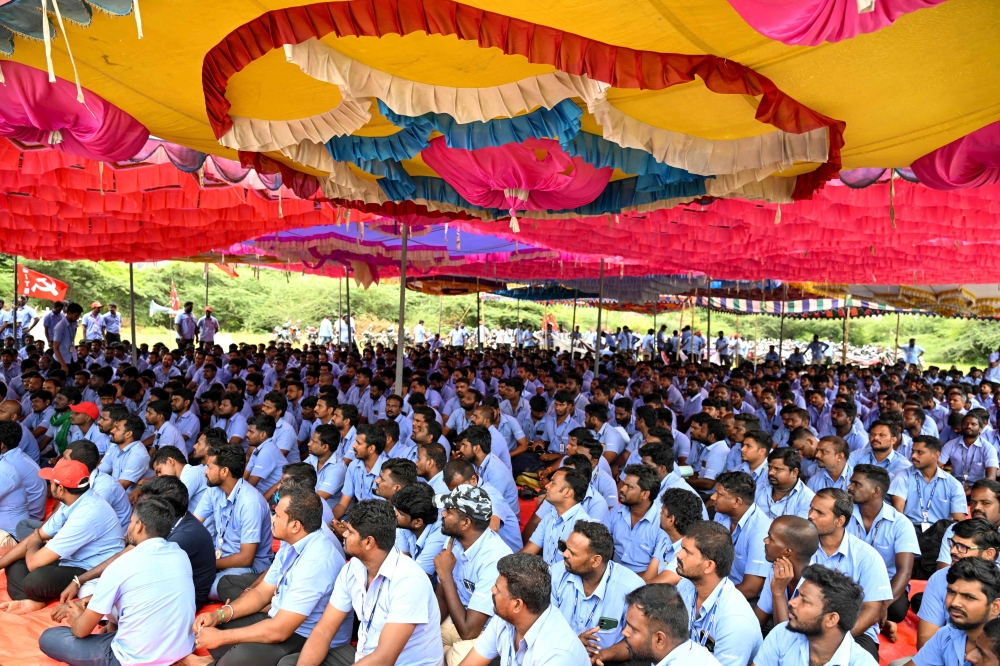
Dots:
pixel 208 326
pixel 85 414
pixel 93 323
pixel 83 532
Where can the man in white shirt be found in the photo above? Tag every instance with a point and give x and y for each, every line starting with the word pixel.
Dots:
pixel 93 323
pixel 208 326
pixel 112 323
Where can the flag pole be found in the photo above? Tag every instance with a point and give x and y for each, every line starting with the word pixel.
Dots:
pixel 131 309
pixel 14 304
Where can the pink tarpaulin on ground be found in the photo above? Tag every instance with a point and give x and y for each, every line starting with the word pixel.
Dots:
pixel 812 22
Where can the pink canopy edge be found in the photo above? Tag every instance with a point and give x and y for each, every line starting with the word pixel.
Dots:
pixel 972 161
pixel 812 22
pixel 32 109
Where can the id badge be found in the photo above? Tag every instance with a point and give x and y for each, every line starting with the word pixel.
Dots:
pixel 218 553
pixel 924 527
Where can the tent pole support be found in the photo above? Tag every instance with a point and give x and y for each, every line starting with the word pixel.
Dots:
pixel 600 308
pixel 401 330
pixel 131 313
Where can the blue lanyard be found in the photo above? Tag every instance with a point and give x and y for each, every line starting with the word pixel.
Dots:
pixel 969 452
pixel 870 540
pixel 222 532
pixel 709 621
pixel 576 603
pixel 925 509
pixel 371 616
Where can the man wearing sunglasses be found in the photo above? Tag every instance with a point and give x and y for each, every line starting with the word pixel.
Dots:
pixel 975 537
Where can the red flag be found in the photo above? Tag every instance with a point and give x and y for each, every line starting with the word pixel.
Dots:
pixel 227 269
pixel 36 285
pixel 175 300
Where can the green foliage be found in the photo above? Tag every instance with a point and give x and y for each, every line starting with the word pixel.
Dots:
pixel 257 303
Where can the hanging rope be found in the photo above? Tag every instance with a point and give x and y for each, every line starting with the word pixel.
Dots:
pixel 138 17
pixel 69 50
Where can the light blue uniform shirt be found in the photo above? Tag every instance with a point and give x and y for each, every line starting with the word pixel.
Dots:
pixel 929 502
pixel 783 646
pixel 242 517
pixel 235 426
pixel 862 564
pixel 891 533
pixel 894 463
pixel 29 444
pixel 969 463
pixel 329 477
pixel 932 608
pixel 674 480
pixel 475 570
pixel 266 462
pixel 169 435
pixel 822 479
pixel 607 601
pixel 304 574
pixel 945 648
pixel 13 497
pixel 665 553
pixel 555 528
pixel 287 440
pixel 758 475
pixel 726 618
pixel 593 504
pixel 458 421
pixel 554 434
pixel 689 653
pixel 748 539
pixel 510 526
pixel 603 484
pixel 549 641
pixel 359 484
pixel 493 472
pixel 424 548
pixel 187 424
pixel 99 439
pixel 193 477
pixel 795 503
pixel 634 545
pixel 400 593
pixel 151 589
pixel 711 460
pixel 438 484
pixel 112 492
pixel 34 486
pixel 612 440
pixel 85 533
pixel 130 464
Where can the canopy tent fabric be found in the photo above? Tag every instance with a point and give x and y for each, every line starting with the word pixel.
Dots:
pixel 650 288
pixel 365 103
pixel 965 300
pixel 453 286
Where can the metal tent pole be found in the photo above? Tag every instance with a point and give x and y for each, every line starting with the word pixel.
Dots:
pixel 781 334
pixel 347 289
pixel 572 330
pixel 600 307
pixel 13 307
pixel 401 329
pixel 708 339
pixel 206 285
pixel 131 311
pixel 895 350
pixel 847 330
pixel 479 315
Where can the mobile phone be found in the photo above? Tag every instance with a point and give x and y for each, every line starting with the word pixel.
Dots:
pixel 606 623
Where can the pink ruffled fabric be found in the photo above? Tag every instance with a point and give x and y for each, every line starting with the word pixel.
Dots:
pixel 812 22
pixel 554 182
pixel 31 109
pixel 972 161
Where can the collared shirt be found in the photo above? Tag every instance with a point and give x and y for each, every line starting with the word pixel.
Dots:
pixel 783 646
pixel 235 426
pixel 689 653
pixel 759 475
pixel 612 440
pixel 424 548
pixel 129 464
pixel 555 528
pixel 584 612
pixel 932 608
pixel 112 492
pixel 822 479
pixel 304 573
pixel 550 642
pixel 475 570
pixel 748 539
pixel 893 463
pixel 861 563
pixel 189 425
pixel 94 435
pixel 945 648
pixel 64 337
pixel 241 517
pixel 665 553
pixel 34 486
pixel 724 618
pixel 93 326
pixel 13 497
pixel 359 484
pixel 287 440
pixel 329 477
pixel 969 463
pixel 890 533
pixel 193 477
pixel 168 435
pixel 510 527
pixel 929 502
pixel 152 591
pixel 795 503
pixel 492 471
pixel 711 460
pixel 188 324
pixel 265 463
pixel 112 322
pixel 84 533
pixel 437 483
pixel 634 544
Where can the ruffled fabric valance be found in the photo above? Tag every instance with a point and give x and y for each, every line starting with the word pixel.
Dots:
pixel 972 161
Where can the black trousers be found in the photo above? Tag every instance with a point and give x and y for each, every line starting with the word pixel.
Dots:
pixel 232 586
pixel 255 654
pixel 869 645
pixel 111 338
pixel 43 584
pixel 897 609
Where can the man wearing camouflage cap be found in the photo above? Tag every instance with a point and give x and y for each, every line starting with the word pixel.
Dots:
pixel 466 568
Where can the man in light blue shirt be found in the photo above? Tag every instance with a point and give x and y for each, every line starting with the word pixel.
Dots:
pixel 84 416
pixel 721 617
pixel 883 437
pixel 148 590
pixel 294 591
pixel 748 525
pixel 275 405
pixel 925 493
pixel 834 469
pixel 362 473
pixel 679 510
pixel 25 468
pixel 476 445
pixel 322 448
pixel 101 484
pixel 821 617
pixel 522 599
pixel 158 413
pixel 875 522
pixel 240 518
pixel 565 492
pixel 912 352
pixel 64 336
pixel 264 467
pixel 81 534
pixel 169 461
pixel 713 450
pixel 418 518
pixel 503 521
pixel 467 567
pixel 589 589
pixel 973 588
pixel 13 501
pixel 786 494
pixel 635 522
pixel 128 460
pixel 970 456
pixel 840 550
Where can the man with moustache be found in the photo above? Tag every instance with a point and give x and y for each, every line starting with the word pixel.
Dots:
pixel 656 629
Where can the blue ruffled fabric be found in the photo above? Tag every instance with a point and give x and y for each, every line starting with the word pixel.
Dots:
pixel 600 152
pixel 624 193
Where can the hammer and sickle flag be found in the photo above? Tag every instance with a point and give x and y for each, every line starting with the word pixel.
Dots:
pixel 37 285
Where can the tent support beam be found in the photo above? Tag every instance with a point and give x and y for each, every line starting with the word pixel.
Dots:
pixel 847 330
pixel 401 330
pixel 600 308
pixel 131 313
pixel 781 334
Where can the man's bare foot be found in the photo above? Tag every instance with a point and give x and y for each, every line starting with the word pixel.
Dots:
pixel 22 607
pixel 194 660
pixel 890 631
